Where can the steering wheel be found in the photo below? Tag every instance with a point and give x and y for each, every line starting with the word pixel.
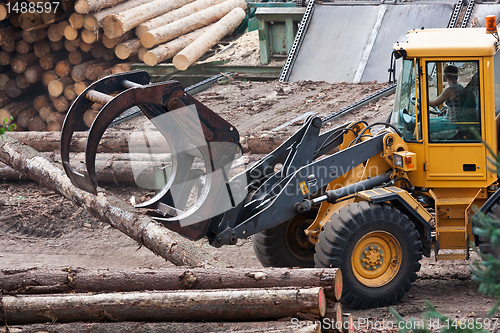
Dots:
pixel 435 110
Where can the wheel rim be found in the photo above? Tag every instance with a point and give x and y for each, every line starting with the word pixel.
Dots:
pixel 297 241
pixel 376 259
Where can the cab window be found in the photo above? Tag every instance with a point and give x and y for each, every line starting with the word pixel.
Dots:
pixel 454 111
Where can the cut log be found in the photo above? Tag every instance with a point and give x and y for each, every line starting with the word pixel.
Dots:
pixel 33 74
pixel 85 47
pixel 128 48
pixel 45 112
pixel 5 77
pixel 70 33
pixel 112 42
pixel 189 23
pixel 76 21
pixel 56 117
pixel 49 76
pixel 89 6
pixel 53 33
pixel 26 116
pixel 91 36
pixel 104 206
pixel 174 15
pixel 94 20
pixel 71 45
pixel 69 92
pixel 9 34
pixel 23 47
pixel 56 87
pixel 14 20
pixel 78 72
pixel 49 61
pixel 4 101
pixel 245 305
pixel 89 116
pixel 9 46
pixel 77 57
pixel 37 124
pixel 122 67
pixel 80 87
pixel 21 81
pixel 49 16
pixel 3 12
pixel 40 102
pixel 13 90
pixel 20 63
pixel 141 53
pixel 89 22
pixel 34 35
pixel 41 48
pixel 93 71
pixel 118 24
pixel 108 54
pixel 63 68
pixel 97 52
pixel 166 51
pixel 53 126
pixel 43 281
pixel 105 73
pixel 202 44
pixel 5 58
pixel 57 46
pixel 30 20
pixel 61 104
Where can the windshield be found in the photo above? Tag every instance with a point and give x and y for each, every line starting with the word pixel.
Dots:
pixel 403 115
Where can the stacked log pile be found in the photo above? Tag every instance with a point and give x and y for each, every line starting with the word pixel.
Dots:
pixel 52 53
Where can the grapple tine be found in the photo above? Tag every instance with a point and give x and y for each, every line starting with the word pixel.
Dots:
pixel 75 114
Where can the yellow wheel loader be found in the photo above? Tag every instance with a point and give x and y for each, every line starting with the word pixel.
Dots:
pixel 370 199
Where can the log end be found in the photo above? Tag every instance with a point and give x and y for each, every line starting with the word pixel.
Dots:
pixel 322 302
pixel 3 12
pixel 338 285
pixel 82 6
pixel 181 62
pixel 122 51
pixel 70 33
pixel 112 26
pixel 150 59
pixel 148 40
pixel 141 30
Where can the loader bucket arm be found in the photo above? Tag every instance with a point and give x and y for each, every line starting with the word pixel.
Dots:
pixel 217 142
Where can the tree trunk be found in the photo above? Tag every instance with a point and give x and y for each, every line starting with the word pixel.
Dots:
pixel 174 15
pixel 49 61
pixel 61 104
pixel 48 281
pixel 112 42
pixel 49 76
pixel 34 35
pixel 244 305
pixel 53 33
pixel 26 116
pixel 78 72
pixel 280 326
pixel 64 68
pixel 166 51
pixel 23 61
pixel 128 48
pixel 91 36
pixel 41 48
pixel 23 47
pixel 118 24
pixel 104 206
pixel 202 44
pixel 89 6
pixel 33 74
pixel 187 24
pixel 56 87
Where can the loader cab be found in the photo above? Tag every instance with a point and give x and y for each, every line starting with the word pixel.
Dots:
pixel 445 105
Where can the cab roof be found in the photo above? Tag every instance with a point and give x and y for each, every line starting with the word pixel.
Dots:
pixel 447 42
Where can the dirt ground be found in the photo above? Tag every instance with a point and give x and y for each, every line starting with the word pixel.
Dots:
pixel 41 229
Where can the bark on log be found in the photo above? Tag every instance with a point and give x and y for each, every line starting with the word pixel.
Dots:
pixel 53 33
pixel 89 6
pixel 63 68
pixel 49 61
pixel 49 76
pixel 61 104
pixel 118 24
pixel 94 20
pixel 166 51
pixel 78 72
pixel 189 23
pixel 128 48
pixel 112 42
pixel 122 67
pixel 174 15
pixel 41 48
pixel 191 327
pixel 93 71
pixel 33 74
pixel 80 280
pixel 245 305
pixel 104 206
pixel 34 35
pixel 56 87
pixel 23 47
pixel 26 116
pixel 91 36
pixel 23 61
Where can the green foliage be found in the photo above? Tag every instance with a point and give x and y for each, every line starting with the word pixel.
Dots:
pixel 6 127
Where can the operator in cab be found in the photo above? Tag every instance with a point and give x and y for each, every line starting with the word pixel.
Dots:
pixel 452 95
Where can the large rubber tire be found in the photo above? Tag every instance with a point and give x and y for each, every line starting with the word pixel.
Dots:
pixel 371 233
pixel 285 245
